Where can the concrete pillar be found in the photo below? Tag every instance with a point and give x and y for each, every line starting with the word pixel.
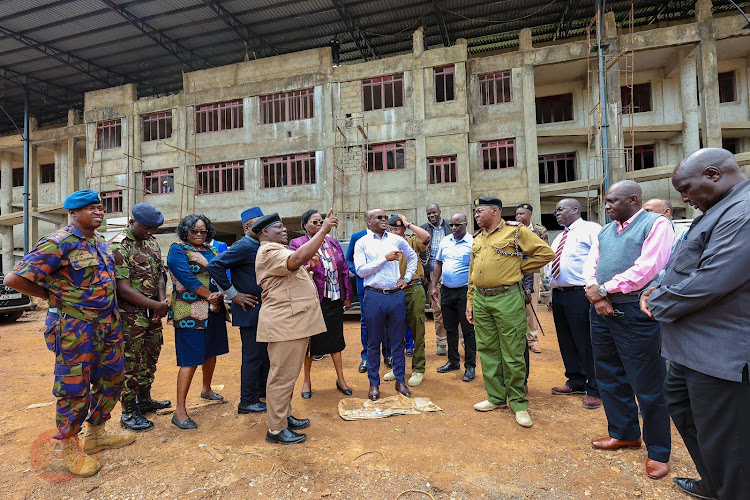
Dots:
pixel 708 77
pixel 6 243
pixel 418 41
pixel 73 166
pixel 6 180
pixel 530 150
pixel 616 152
pixel 689 103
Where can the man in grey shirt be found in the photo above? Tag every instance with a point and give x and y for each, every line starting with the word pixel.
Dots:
pixel 701 304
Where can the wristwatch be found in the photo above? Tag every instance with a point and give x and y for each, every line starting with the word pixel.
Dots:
pixel 602 291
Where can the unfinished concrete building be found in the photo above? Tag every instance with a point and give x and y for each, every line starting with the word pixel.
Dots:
pixel 292 132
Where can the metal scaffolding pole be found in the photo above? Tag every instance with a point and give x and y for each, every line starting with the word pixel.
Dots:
pixel 26 141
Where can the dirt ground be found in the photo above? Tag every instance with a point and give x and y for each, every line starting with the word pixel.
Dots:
pixel 456 453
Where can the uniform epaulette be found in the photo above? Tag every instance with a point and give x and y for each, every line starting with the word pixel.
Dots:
pixel 512 223
pixel 541 228
pixel 59 235
pixel 119 238
pixel 476 233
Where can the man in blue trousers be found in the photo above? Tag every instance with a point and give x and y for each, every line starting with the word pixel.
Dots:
pixel 376 258
pixel 244 292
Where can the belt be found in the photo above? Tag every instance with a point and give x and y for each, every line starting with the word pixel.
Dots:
pixel 412 283
pixel 566 288
pixel 499 290
pixel 380 290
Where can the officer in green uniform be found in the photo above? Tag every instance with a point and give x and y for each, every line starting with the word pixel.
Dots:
pixel 141 293
pixel 495 304
pixel 414 293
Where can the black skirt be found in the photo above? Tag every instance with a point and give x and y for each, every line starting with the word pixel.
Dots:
pixel 332 340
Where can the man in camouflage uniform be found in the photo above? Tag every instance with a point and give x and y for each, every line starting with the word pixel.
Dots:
pixel 495 304
pixel 73 268
pixel 141 293
pixel 531 280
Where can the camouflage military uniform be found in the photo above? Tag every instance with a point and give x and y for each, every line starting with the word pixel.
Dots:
pixel 82 327
pixel 142 265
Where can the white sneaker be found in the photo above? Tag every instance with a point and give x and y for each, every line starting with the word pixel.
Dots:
pixel 486 406
pixel 523 418
pixel 389 376
pixel 415 379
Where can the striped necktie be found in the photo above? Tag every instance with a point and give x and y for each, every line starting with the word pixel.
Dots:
pixel 558 254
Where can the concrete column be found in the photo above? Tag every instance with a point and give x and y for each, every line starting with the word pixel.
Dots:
pixel 708 77
pixel 73 166
pixel 6 243
pixel 616 152
pixel 528 105
pixel 61 164
pixel 689 103
pixel 6 180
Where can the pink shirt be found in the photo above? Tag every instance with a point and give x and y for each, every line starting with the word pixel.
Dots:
pixel 654 256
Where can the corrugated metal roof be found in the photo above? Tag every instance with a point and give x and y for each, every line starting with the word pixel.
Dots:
pixel 90 31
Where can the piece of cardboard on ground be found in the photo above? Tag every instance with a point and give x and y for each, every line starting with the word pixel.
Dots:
pixel 364 409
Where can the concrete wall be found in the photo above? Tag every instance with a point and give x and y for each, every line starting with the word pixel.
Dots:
pixel 680 61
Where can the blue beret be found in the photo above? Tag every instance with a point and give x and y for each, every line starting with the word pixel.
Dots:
pixel 525 206
pixel 81 198
pixel 147 215
pixel 492 202
pixel 265 221
pixel 251 213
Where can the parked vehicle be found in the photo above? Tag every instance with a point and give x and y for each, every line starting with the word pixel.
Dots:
pixel 13 303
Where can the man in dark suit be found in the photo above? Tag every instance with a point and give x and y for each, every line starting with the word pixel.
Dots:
pixel 244 292
pixel 702 307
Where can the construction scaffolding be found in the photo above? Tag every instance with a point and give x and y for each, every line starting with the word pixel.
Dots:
pixel 350 179
pixel 609 120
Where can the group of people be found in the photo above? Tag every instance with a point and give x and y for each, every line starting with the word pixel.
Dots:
pixel 625 297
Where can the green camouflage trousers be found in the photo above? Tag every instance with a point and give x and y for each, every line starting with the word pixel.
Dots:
pixel 142 348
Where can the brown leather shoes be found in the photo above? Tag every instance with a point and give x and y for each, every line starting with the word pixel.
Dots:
pixel 374 393
pixel 610 443
pixel 656 470
pixel 591 403
pixel 403 389
pixel 566 390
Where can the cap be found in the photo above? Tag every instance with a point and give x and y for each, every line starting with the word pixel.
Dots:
pixel 526 206
pixel 265 221
pixel 395 221
pixel 147 215
pixel 493 202
pixel 81 199
pixel 251 213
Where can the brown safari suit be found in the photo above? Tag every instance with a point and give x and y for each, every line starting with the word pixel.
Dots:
pixel 289 316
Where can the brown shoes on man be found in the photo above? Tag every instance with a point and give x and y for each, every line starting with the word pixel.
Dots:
pixel 403 389
pixel 374 393
pixel 656 470
pixel 610 443
pixel 591 403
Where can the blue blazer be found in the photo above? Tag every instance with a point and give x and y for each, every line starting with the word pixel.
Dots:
pixel 240 259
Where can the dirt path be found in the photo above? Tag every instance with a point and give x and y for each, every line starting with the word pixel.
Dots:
pixel 456 453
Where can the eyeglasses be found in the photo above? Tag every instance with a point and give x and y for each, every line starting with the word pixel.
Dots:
pixel 202 232
pixel 381 217
pixel 457 225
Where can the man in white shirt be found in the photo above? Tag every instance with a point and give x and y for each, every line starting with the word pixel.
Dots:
pixel 376 257
pixel 570 307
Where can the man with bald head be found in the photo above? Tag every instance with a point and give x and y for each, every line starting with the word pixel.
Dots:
pixel 664 206
pixel 570 309
pixel 701 305
pixel 627 255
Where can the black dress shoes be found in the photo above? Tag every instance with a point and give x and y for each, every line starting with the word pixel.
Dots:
pixel 212 396
pixel 297 423
pixel 468 374
pixel 363 366
pixel 345 392
pixel 187 425
pixel 133 419
pixel 285 437
pixel 694 487
pixel 403 389
pixel 448 367
pixel 374 393
pixel 258 407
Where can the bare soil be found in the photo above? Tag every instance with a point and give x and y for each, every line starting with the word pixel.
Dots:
pixel 456 453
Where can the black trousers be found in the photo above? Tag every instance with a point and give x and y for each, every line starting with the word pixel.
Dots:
pixel 255 365
pixel 453 304
pixel 711 415
pixel 570 309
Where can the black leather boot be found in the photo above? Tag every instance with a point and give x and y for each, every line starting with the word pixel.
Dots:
pixel 148 405
pixel 133 419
